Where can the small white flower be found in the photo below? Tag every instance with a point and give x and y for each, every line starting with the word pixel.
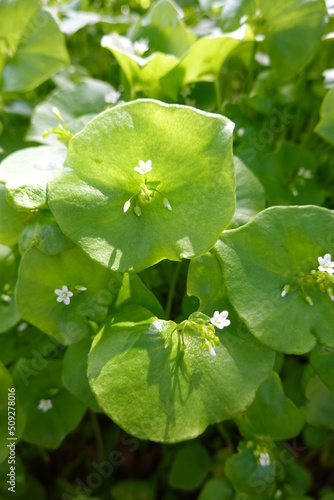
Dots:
pixel 6 298
pixel 141 46
pixel 127 205
pixel 326 264
pixel 22 326
pixel 45 405
pixel 264 459
pixel 167 204
pixel 144 167
pixel 286 289
pixel 219 319
pixel 306 174
pixel 64 295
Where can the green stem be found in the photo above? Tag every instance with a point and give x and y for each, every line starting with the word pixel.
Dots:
pixel 218 94
pixel 222 431
pixel 251 69
pixel 172 290
pixel 97 435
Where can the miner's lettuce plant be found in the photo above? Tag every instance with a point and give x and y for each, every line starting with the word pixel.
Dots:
pixel 167 237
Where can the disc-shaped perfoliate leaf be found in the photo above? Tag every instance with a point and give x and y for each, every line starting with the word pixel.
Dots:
pixel 292 29
pixel 250 198
pixel 325 127
pixel 26 173
pixel 9 261
pixel 52 412
pixel 322 361
pixel 88 97
pixel 143 73
pixel 271 414
pixel 170 394
pixel 192 167
pixel 40 275
pixel 203 61
pixel 279 249
pixel 36 52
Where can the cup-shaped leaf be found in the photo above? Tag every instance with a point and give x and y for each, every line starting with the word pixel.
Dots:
pixel 267 266
pixel 192 168
pixel 171 393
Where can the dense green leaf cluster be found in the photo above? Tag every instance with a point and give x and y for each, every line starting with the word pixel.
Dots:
pixel 167 248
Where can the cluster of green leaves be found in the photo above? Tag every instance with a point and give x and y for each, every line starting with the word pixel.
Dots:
pixel 91 90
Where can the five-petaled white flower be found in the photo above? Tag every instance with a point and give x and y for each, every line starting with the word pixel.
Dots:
pixel 264 459
pixel 45 405
pixel 141 46
pixel 64 295
pixel 219 319
pixel 144 167
pixel 326 264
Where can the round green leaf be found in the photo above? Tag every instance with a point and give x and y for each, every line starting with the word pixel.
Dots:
pixel 170 394
pixel 280 247
pixel 190 467
pixel 271 413
pixel 322 360
pixel 192 166
pixel 325 127
pixel 40 275
pixel 33 384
